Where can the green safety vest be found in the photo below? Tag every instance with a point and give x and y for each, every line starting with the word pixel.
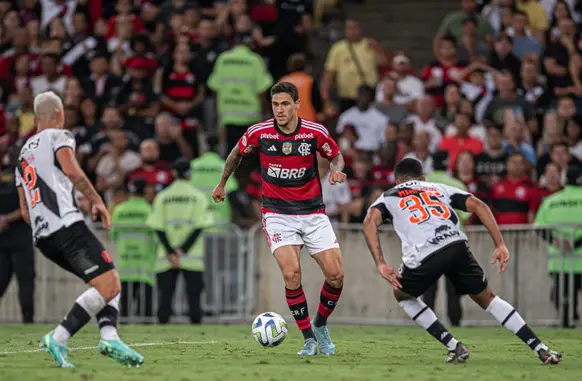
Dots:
pixel 206 174
pixel 179 210
pixel 135 241
pixel 239 78
pixel 563 207
pixel 443 177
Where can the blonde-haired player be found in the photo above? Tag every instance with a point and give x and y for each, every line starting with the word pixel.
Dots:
pixel 46 176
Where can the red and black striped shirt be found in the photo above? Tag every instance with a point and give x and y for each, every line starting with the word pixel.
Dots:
pixel 290 179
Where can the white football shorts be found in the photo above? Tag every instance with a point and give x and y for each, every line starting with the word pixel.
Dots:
pixel 312 230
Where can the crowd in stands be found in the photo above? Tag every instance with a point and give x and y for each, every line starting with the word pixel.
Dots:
pixel 498 107
pixel 145 82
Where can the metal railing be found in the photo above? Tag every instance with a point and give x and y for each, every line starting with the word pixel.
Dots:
pixel 242 279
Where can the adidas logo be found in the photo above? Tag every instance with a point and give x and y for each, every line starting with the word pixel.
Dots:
pixel 272 149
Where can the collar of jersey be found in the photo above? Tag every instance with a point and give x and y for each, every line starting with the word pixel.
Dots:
pixel 299 123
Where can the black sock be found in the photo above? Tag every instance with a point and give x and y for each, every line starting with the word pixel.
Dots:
pixel 528 336
pixel 426 318
pixel 75 319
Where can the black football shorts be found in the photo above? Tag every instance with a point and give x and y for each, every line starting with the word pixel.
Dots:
pixel 455 261
pixel 77 250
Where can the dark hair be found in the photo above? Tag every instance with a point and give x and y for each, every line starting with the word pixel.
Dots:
pixel 554 164
pixel 558 144
pixel 287 88
pixel 455 171
pixel 521 13
pixel 450 38
pixel 137 186
pixel 564 97
pixel 516 153
pixel 408 168
pixel 367 90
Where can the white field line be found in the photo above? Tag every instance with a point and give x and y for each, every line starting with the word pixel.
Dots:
pixel 157 344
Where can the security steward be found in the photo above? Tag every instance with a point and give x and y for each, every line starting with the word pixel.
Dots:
pixel 179 217
pixel 137 252
pixel 16 249
pixel 564 207
pixel 311 102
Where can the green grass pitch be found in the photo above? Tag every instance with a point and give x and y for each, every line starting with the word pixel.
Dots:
pixel 229 353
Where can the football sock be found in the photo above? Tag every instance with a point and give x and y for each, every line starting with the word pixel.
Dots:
pixel 425 317
pixel 505 314
pixel 327 302
pixel 298 306
pixel 107 320
pixel 87 304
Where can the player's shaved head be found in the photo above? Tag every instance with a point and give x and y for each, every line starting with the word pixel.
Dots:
pixel 48 107
pixel 408 169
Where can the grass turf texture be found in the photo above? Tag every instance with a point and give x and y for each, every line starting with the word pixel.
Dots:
pixel 222 352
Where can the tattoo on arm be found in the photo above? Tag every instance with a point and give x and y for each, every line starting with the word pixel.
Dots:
pixel 232 163
pixel 337 163
pixel 83 185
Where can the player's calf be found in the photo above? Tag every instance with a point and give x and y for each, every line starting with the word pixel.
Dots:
pixel 424 317
pixel 509 318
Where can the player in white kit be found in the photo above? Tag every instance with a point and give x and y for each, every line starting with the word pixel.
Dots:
pixel 46 176
pixel 433 245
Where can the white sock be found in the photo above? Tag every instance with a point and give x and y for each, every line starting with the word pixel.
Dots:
pixel 508 317
pixel 423 316
pixel 91 301
pixel 61 335
pixel 88 304
pixel 108 324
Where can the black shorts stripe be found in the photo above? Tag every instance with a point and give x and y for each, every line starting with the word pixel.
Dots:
pixel 420 313
pixel 278 205
pixel 508 317
pixel 509 205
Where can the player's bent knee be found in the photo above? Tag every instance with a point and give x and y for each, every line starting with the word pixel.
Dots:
pixel 400 295
pixel 483 298
pixel 335 278
pixel 292 278
pixel 108 285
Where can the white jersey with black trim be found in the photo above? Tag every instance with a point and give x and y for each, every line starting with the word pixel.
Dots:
pixel 423 216
pixel 49 193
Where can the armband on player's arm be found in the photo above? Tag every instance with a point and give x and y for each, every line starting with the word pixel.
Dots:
pixel 474 205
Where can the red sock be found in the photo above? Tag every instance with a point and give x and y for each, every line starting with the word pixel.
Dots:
pixel 327 302
pixel 298 306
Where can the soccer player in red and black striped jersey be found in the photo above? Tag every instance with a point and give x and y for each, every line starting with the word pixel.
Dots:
pixel 292 206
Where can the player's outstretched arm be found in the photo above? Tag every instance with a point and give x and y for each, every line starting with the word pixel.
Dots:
pixel 501 254
pixel 71 169
pixel 232 163
pixel 371 223
pixel 336 166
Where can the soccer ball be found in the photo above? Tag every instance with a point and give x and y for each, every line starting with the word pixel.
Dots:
pixel 269 329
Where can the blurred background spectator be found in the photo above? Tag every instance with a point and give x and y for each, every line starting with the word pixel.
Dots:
pixel 145 83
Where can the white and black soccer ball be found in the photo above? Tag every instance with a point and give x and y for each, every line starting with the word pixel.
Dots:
pixel 269 329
